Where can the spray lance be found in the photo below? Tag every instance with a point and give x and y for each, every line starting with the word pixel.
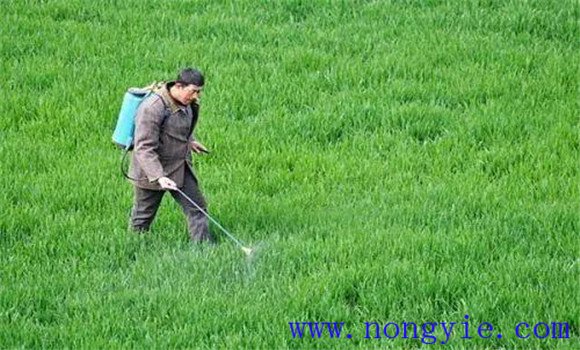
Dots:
pixel 239 243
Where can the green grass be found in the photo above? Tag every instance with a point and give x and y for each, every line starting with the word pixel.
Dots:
pixel 393 160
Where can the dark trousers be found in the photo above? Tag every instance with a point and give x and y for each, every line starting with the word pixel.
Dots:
pixel 146 202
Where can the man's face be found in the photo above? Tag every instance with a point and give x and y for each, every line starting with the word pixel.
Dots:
pixel 186 94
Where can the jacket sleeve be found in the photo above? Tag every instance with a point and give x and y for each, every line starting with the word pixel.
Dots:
pixel 147 125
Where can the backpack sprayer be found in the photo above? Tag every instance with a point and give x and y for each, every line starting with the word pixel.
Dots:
pixel 124 134
pixel 125 129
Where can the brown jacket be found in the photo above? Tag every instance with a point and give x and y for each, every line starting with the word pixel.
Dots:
pixel 162 150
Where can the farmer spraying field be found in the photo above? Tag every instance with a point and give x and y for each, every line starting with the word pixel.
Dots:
pixel 161 159
pixel 158 125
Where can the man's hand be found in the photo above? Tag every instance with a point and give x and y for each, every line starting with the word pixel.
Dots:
pixel 198 148
pixel 166 183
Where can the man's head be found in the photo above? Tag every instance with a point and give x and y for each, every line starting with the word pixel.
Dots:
pixel 188 86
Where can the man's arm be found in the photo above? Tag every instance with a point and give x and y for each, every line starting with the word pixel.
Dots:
pixel 147 125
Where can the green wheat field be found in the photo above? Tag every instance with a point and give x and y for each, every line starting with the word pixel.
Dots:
pixel 389 161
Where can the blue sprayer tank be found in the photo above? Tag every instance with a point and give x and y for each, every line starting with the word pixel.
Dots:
pixel 125 129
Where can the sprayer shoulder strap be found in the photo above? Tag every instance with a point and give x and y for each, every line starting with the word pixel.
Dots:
pixel 166 111
pixel 194 117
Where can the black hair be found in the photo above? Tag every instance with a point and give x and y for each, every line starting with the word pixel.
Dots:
pixel 190 76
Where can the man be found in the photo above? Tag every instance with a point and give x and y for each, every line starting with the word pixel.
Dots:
pixel 162 154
